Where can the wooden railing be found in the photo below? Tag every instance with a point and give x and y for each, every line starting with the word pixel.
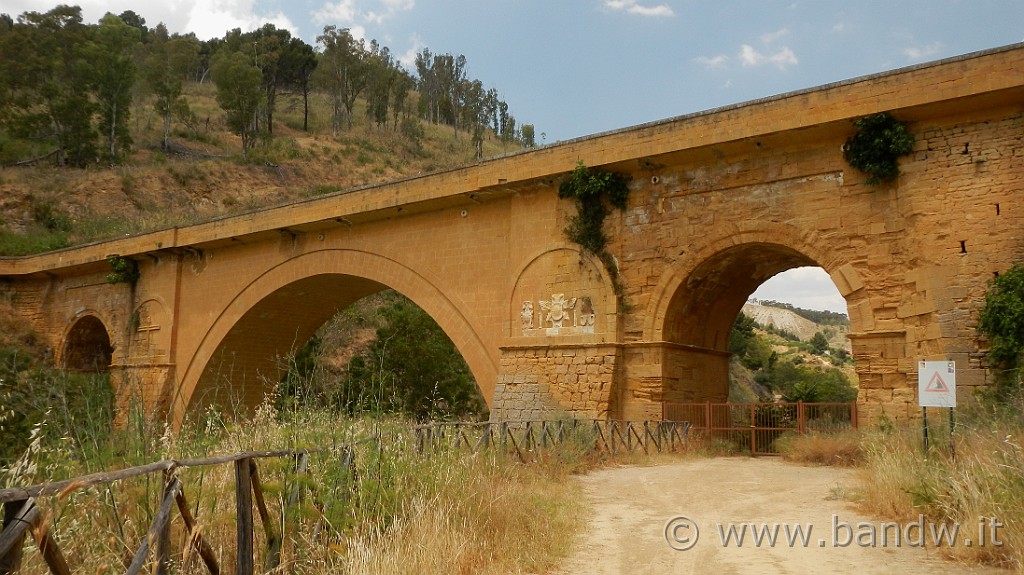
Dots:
pixel 528 438
pixel 23 515
pixel 525 440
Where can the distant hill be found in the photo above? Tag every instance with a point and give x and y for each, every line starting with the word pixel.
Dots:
pixel 791 321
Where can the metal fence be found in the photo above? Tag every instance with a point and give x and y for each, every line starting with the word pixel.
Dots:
pixel 758 426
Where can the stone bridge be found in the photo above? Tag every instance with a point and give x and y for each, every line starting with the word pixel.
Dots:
pixel 719 202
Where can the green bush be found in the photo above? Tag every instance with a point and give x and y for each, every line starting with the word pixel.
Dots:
pixel 1002 322
pixel 877 146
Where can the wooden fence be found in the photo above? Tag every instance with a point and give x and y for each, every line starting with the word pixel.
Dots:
pixel 529 438
pixel 524 439
pixel 23 515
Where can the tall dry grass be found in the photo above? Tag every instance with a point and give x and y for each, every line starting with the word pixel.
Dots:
pixel 399 512
pixel 982 481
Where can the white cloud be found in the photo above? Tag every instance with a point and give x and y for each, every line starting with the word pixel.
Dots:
pixel 391 7
pixel 341 13
pixel 749 56
pixel 712 62
pixel 840 27
pixel 782 58
pixel 408 58
pixel 347 12
pixel 918 53
pixel 806 287
pixel 773 36
pixel 632 7
pixel 213 19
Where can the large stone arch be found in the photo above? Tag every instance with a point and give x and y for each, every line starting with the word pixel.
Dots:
pixel 693 307
pixel 86 345
pixel 243 345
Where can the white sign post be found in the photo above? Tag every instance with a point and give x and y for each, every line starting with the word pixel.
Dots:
pixel 936 387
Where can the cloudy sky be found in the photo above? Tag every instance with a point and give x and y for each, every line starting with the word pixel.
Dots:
pixel 579 67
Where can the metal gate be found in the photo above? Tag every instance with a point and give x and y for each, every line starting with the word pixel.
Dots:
pixel 757 426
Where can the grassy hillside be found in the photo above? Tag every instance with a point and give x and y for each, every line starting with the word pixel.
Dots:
pixel 202 176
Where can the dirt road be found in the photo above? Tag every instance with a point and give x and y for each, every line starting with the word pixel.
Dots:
pixel 632 508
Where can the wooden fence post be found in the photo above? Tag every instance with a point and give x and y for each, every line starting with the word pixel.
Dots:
pixel 12 538
pixel 163 541
pixel 243 519
pixel 48 547
pixel 156 530
pixel 273 540
pixel 195 537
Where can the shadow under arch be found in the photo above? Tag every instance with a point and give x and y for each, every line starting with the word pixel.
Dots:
pixel 87 346
pixel 281 309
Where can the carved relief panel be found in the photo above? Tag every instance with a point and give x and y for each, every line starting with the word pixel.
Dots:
pixel 561 293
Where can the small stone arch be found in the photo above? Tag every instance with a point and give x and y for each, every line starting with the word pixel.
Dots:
pixel 87 346
pixel 739 260
pixel 692 310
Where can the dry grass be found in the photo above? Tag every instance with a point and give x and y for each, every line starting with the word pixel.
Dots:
pixel 984 480
pixel 843 449
pixel 401 513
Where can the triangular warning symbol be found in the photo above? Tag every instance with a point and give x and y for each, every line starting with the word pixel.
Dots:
pixel 936 384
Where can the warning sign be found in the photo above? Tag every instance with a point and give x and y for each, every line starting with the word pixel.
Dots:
pixel 936 384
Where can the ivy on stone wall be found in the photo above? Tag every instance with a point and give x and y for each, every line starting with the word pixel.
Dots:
pixel 877 146
pixel 593 191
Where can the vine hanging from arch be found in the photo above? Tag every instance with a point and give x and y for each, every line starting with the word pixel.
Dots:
pixel 592 191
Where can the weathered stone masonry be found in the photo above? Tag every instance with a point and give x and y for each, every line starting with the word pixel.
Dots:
pixel 720 201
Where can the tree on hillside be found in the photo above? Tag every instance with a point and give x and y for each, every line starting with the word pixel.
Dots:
pixel 506 128
pixel 381 75
pixel 413 368
pixel 399 95
pixel 239 93
pixel 477 110
pixel 528 136
pixel 819 343
pixel 165 66
pixel 130 18
pixel 342 71
pixel 114 76
pixel 46 78
pixel 297 65
pixel 270 44
pixel 742 334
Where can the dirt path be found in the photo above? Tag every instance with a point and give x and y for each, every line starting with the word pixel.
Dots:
pixel 632 506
